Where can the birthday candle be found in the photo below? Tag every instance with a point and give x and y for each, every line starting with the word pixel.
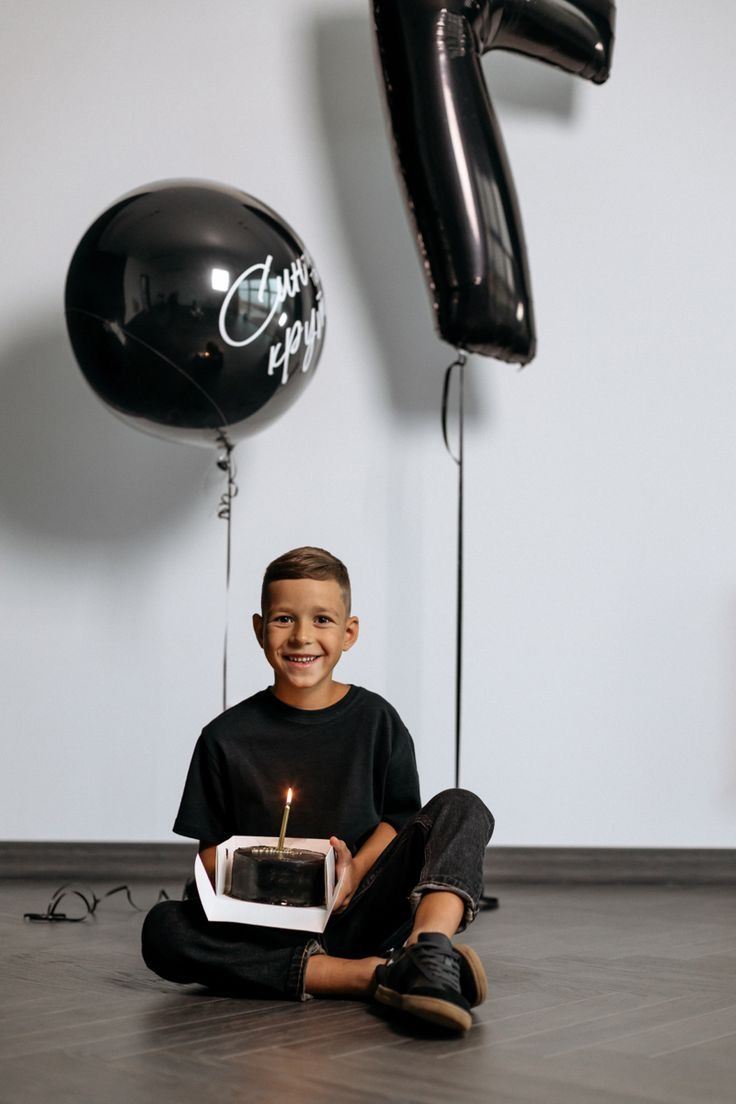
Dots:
pixel 284 819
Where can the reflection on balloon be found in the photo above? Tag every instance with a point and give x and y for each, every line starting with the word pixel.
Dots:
pixel 194 311
pixel 450 152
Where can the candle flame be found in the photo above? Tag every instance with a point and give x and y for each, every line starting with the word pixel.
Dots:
pixel 288 797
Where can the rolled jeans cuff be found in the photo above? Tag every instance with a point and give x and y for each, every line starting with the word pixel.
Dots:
pixel 298 969
pixel 447 886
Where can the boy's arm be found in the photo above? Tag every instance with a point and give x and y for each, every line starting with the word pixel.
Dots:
pixel 377 842
pixel 357 866
pixel 207 852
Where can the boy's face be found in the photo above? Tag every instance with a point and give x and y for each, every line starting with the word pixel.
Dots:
pixel 303 632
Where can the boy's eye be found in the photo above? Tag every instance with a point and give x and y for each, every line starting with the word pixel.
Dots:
pixel 282 618
pixel 322 619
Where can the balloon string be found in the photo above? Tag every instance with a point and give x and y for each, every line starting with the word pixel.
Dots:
pixel 459 363
pixel 225 511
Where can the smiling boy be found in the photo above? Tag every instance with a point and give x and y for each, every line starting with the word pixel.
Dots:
pixel 411 876
pixel 304 628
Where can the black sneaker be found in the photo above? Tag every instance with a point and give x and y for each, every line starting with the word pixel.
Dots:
pixel 473 980
pixel 424 980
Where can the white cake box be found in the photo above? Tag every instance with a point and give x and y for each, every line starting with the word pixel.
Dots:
pixel 218 906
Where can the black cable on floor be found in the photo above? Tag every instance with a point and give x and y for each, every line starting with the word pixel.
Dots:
pixel 89 899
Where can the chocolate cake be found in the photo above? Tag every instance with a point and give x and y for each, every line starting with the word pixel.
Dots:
pixel 273 877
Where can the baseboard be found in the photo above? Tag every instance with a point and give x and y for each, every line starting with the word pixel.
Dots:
pixel 97 861
pixel 172 862
pixel 610 865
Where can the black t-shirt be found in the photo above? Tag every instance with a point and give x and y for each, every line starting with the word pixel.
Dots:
pixel 350 766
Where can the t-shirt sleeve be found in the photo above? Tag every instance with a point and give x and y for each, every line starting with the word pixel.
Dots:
pixel 202 811
pixel 401 795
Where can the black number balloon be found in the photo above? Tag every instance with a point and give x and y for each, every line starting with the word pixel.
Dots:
pixel 194 311
pixel 450 153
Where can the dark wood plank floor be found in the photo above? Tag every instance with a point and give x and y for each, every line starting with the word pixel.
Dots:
pixel 599 995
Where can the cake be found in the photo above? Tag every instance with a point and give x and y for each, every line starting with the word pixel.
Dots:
pixel 273 877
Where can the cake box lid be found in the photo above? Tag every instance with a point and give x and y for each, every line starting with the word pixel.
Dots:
pixel 218 906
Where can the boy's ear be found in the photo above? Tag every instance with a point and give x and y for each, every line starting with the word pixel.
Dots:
pixel 352 629
pixel 258 627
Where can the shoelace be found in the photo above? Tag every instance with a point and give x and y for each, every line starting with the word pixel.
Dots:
pixel 435 963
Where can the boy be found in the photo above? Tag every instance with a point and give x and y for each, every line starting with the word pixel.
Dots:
pixel 412 875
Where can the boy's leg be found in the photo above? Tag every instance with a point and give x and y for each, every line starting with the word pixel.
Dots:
pixel 181 945
pixel 424 888
pixel 430 874
pixel 438 911
pixel 329 976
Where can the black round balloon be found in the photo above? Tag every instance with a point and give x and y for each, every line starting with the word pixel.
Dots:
pixel 193 309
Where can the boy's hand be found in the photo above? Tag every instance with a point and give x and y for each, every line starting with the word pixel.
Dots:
pixel 344 865
pixel 357 866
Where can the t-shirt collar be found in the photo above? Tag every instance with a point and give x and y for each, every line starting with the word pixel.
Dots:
pixel 310 716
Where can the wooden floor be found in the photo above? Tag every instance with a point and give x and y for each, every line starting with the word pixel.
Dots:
pixel 598 995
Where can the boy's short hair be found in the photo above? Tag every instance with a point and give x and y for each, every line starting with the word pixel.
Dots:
pixel 307 563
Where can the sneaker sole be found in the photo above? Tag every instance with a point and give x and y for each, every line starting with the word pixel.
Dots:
pixel 432 1009
pixel 473 980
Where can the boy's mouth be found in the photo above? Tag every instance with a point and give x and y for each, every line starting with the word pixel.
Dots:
pixel 301 660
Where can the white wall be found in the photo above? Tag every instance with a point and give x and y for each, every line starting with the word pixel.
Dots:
pixel 601 589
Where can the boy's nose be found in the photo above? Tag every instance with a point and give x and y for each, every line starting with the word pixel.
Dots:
pixel 300 633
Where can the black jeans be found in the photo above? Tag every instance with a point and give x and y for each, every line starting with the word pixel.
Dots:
pixel 442 847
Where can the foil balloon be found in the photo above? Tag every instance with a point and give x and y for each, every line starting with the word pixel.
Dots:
pixel 450 152
pixel 194 311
